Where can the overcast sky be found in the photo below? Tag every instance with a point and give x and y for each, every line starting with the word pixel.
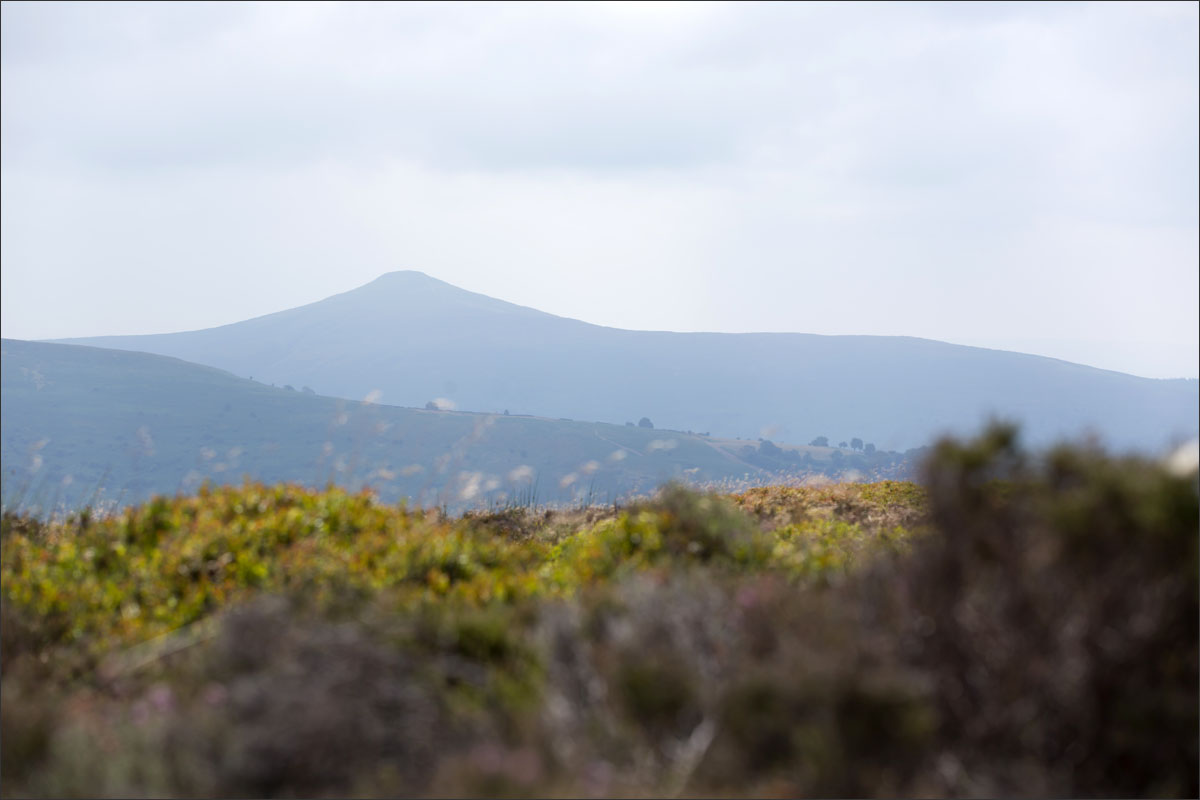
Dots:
pixel 1013 176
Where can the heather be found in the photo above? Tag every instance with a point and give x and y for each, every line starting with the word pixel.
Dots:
pixel 1013 624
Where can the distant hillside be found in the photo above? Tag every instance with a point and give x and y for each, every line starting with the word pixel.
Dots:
pixel 137 424
pixel 415 338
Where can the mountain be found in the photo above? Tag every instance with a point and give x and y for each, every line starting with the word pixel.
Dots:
pixel 79 424
pixel 415 338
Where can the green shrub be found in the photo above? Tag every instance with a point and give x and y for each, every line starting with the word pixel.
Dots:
pixel 1057 611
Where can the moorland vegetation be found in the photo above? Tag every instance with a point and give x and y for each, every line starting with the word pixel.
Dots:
pixel 1015 624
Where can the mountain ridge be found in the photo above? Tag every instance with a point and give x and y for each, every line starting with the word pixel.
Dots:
pixel 393 277
pixel 417 338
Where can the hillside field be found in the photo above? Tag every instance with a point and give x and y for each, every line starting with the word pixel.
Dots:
pixel 108 427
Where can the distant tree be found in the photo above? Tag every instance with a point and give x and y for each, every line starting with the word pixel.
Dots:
pixel 856 443
pixel 307 390
pixel 629 425
pixel 289 387
pixel 820 441
pixel 870 448
pixel 431 406
pixel 768 448
pixel 506 412
pixel 843 445
pixel 645 422
pixel 836 457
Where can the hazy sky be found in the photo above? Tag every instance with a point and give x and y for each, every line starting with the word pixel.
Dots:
pixel 1014 176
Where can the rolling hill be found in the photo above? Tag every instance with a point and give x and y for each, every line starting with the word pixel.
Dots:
pixel 415 338
pixel 81 422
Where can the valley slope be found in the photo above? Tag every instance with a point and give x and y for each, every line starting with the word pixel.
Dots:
pixel 83 423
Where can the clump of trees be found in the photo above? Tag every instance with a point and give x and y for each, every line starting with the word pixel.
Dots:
pixel 855 443
pixel 770 449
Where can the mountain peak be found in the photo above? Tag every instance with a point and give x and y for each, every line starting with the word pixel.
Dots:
pixel 405 274
pixel 405 277
pixel 425 295
pixel 404 285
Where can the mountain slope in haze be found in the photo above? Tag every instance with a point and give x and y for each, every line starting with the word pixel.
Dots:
pixel 415 338
pixel 77 419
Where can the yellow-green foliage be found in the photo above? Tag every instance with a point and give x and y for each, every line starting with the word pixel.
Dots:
pixel 823 548
pixel 112 604
pixel 118 581
pixel 164 565
pixel 822 532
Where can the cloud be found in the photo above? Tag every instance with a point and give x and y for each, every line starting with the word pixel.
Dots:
pixel 512 87
pixel 907 169
pixel 493 87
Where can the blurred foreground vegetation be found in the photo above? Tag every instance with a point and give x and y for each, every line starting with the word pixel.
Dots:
pixel 1019 625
